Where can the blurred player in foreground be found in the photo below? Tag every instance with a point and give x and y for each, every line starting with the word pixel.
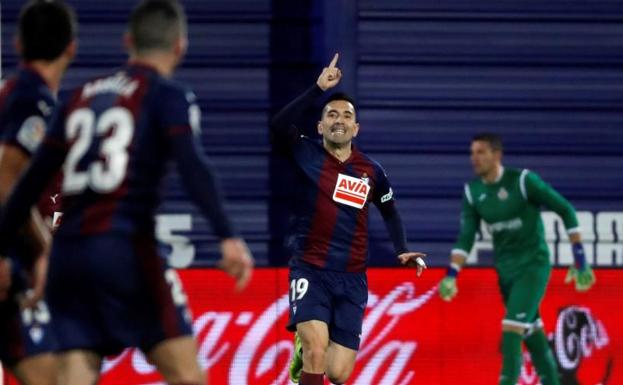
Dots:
pixel 45 44
pixel 508 201
pixel 108 287
pixel 329 236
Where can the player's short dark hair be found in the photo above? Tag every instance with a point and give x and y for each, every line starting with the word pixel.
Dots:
pixel 45 29
pixel 494 140
pixel 340 96
pixel 156 24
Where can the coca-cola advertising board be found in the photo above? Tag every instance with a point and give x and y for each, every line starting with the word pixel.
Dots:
pixel 410 336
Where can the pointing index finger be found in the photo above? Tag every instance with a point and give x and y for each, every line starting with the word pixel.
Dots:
pixel 334 60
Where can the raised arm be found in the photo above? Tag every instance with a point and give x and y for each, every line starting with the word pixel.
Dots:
pixel 282 125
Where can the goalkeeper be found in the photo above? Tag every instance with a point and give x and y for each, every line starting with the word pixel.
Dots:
pixel 508 201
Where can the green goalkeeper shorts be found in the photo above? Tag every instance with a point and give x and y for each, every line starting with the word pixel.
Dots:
pixel 523 295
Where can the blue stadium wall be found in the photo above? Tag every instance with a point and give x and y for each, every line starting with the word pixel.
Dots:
pixel 427 75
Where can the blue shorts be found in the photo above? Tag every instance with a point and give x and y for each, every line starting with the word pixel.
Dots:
pixel 336 298
pixel 109 292
pixel 23 333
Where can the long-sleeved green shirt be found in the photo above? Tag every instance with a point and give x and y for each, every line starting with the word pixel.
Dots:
pixel 510 208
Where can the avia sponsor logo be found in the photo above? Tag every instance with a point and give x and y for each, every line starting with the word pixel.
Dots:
pixel 580 345
pixel 351 191
pixel 252 347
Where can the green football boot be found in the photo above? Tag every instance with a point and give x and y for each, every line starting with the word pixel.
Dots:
pixel 296 365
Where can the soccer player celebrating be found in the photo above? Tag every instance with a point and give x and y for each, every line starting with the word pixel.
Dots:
pixel 329 235
pixel 509 201
pixel 46 45
pixel 108 288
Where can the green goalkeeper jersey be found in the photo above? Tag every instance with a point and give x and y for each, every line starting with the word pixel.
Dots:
pixel 510 208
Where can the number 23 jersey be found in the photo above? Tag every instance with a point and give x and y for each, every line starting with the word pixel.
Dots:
pixel 116 131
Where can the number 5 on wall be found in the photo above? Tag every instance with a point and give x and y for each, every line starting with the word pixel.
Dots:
pixel 182 250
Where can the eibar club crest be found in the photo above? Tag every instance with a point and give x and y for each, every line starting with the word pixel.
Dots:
pixel 365 178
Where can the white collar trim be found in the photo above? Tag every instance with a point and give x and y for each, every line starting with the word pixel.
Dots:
pixel 499 178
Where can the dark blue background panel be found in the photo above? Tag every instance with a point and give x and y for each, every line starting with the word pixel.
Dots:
pixel 544 132
pixel 437 175
pixel 489 86
pixel 507 42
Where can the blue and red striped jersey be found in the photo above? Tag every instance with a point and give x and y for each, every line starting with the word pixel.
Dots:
pixel 329 228
pixel 114 137
pixel 26 106
pixel 115 129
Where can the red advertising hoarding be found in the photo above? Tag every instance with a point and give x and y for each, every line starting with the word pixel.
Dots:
pixel 410 336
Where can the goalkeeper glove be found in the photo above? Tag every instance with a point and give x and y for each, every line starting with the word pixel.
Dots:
pixel 447 287
pixel 581 271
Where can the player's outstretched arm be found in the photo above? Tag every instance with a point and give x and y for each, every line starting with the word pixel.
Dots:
pixel 202 185
pixel 282 125
pixel 396 229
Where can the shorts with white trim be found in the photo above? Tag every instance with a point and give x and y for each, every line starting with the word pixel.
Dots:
pixel 337 298
pixel 523 295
